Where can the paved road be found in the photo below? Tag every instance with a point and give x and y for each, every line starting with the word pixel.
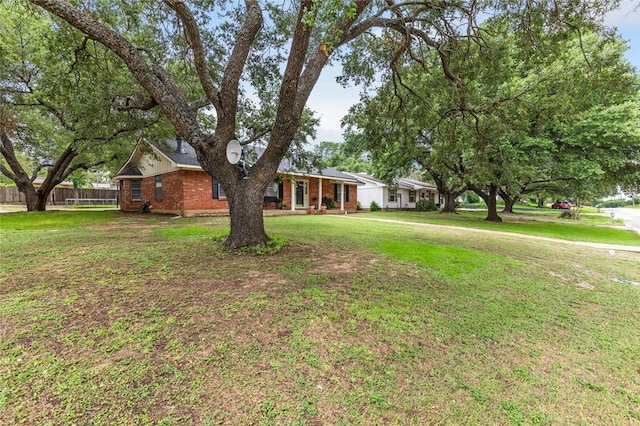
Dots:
pixel 631 217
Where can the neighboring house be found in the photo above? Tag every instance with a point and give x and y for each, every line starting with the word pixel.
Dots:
pixel 167 174
pixel 403 194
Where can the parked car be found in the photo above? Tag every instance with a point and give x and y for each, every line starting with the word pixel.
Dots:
pixel 561 205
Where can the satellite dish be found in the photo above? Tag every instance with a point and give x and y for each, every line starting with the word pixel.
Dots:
pixel 234 151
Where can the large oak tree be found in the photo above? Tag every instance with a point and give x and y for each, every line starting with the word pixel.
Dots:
pixel 57 113
pixel 522 122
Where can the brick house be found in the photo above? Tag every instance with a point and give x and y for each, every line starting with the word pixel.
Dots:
pixel 167 174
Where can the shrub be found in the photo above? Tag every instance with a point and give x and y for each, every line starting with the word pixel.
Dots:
pixel 329 202
pixel 425 205
pixel 374 207
pixel 566 214
pixel 358 205
pixel 614 203
pixel 471 197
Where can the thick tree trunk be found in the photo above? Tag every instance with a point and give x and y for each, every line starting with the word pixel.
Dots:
pixel 490 200
pixel 449 202
pixel 508 205
pixel 247 223
pixel 492 205
pixel 36 200
pixel 509 201
pixel 448 193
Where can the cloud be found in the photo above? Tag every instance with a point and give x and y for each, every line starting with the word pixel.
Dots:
pixel 331 102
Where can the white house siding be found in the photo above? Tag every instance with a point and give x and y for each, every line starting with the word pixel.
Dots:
pixel 368 193
pixel 374 190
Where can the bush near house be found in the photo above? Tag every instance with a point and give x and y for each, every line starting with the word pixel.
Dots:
pixel 329 202
pixel 425 205
pixel 374 207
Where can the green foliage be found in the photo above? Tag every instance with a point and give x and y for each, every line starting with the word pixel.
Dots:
pixel 336 155
pixel 471 197
pixel 329 202
pixel 273 246
pixel 65 118
pixel 614 203
pixel 426 205
pixel 520 142
pixel 566 214
pixel 326 13
pixel 374 207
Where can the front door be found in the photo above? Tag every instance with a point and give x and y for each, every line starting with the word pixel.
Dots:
pixel 302 193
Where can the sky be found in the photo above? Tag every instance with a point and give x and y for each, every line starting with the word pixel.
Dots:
pixel 332 102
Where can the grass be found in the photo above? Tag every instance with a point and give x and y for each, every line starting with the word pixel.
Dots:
pixel 138 319
pixel 590 228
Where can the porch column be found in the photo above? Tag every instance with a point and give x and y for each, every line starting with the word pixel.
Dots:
pixel 293 194
pixel 341 196
pixel 319 193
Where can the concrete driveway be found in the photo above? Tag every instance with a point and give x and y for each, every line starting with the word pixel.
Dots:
pixel 631 217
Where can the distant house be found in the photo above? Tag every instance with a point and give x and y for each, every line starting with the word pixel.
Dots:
pixel 402 194
pixel 167 174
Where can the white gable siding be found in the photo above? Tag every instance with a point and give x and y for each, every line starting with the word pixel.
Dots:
pixel 151 164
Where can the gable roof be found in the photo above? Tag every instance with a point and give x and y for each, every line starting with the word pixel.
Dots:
pixel 129 171
pixel 168 148
pixel 361 176
pixel 404 183
pixel 415 184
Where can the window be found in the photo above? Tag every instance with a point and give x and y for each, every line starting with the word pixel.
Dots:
pixel 272 194
pixel 412 196
pixel 136 189
pixel 272 190
pixel 216 190
pixel 158 180
pixel 392 195
pixel 337 192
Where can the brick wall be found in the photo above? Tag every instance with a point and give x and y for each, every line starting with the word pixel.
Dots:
pixel 172 188
pixel 189 192
pixel 126 204
pixel 198 193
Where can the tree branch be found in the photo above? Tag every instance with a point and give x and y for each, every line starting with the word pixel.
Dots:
pixel 152 77
pixel 17 172
pixel 195 41
pixel 229 90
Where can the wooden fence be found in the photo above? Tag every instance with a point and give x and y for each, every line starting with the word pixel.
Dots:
pixel 80 196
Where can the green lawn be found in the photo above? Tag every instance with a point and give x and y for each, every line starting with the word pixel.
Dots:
pixel 109 318
pixel 591 227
